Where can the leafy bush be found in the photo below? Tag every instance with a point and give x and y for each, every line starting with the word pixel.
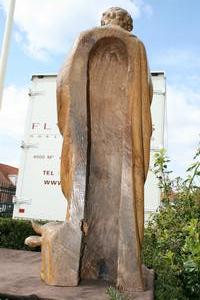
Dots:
pixel 13 233
pixel 172 240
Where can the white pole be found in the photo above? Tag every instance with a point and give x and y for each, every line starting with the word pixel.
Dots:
pixel 5 46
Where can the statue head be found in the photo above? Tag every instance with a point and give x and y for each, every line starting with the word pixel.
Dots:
pixel 117 16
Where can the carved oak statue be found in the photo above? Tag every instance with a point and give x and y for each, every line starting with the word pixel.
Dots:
pixel 104 94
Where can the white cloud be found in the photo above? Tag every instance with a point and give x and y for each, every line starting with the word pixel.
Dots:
pixel 50 26
pixel 148 10
pixel 12 120
pixel 13 113
pixel 174 57
pixel 10 151
pixel 18 37
pixel 183 126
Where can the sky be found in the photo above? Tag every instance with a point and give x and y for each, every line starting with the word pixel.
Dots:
pixel 44 32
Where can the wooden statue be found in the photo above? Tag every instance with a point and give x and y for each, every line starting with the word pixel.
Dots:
pixel 104 95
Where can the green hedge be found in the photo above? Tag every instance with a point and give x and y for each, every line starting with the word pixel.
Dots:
pixel 172 248
pixel 172 238
pixel 14 232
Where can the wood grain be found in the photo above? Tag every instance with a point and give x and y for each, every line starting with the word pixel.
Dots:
pixel 104 94
pixel 107 68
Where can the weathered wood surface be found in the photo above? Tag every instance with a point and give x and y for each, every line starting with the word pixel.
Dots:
pixel 59 250
pixel 104 95
pixel 107 97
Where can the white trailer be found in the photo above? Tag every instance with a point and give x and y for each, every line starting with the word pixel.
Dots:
pixel 158 113
pixel 39 194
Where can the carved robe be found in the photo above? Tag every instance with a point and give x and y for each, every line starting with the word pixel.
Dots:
pixel 104 94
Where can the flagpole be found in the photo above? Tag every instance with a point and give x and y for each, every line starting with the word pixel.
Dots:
pixel 5 46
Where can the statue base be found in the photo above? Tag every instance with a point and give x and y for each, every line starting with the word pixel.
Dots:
pixel 19 278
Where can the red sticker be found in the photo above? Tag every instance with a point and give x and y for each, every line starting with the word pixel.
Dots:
pixel 21 210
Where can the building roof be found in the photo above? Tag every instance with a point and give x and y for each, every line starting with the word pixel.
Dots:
pixel 5 171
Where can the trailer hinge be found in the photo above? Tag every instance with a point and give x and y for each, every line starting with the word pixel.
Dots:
pixel 28 146
pixel 156 148
pixel 32 93
pixel 17 200
pixel 158 93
